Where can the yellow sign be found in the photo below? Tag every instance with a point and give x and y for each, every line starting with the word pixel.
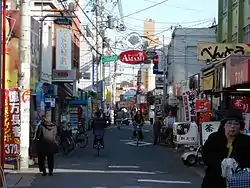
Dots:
pixel 207 82
pixel 211 52
pixel 145 80
pixel 108 96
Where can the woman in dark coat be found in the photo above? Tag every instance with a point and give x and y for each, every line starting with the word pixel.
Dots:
pixel 226 142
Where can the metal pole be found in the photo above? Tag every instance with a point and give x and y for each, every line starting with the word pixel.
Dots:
pixel 97 47
pixel 24 80
pixel 3 48
pixel 41 48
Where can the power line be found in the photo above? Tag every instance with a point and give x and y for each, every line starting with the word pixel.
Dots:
pixel 79 30
pixel 152 6
pixel 190 9
pixel 97 30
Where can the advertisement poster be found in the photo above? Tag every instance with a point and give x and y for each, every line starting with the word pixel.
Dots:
pixel 202 108
pixel 12 124
pixel 208 128
pixel 13 98
pixel 185 133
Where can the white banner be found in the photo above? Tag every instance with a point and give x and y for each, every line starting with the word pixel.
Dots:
pixel 208 128
pixel 63 49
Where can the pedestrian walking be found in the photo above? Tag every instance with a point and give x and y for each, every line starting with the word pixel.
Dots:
pixel 46 145
pixel 227 142
pixel 151 116
pixel 157 130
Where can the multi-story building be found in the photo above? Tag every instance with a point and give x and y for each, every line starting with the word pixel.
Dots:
pixel 148 78
pixel 182 59
pixel 234 21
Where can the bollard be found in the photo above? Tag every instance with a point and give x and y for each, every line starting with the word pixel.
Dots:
pixel 17 165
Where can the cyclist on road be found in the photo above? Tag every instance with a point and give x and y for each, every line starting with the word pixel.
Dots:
pixel 98 126
pixel 138 120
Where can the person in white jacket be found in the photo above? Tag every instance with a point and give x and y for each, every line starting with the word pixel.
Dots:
pixel 151 116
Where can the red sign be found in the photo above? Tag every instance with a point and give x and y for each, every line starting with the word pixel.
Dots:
pixel 133 56
pixel 242 104
pixel 202 105
pixel 12 127
pixel 240 73
pixel 62 74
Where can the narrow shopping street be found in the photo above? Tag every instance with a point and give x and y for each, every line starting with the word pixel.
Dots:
pixel 121 164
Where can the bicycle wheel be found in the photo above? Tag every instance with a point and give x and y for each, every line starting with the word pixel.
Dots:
pixel 98 148
pixel 82 140
pixel 65 146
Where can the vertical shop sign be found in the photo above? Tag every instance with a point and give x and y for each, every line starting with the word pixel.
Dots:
pixel 63 49
pixel 12 124
pixel 189 98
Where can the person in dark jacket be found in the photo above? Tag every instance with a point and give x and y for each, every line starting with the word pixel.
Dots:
pixel 157 130
pixel 98 125
pixel 227 142
pixel 138 120
pixel 46 145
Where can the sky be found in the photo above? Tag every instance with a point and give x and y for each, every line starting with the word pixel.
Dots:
pixel 187 13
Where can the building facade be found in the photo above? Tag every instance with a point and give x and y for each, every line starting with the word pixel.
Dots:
pixel 234 21
pixel 182 61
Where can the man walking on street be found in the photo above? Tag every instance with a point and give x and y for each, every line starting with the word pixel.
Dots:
pixel 46 145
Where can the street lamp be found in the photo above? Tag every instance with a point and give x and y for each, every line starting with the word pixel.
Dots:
pixel 42 19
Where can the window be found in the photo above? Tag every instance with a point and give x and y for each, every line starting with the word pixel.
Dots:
pixel 247 34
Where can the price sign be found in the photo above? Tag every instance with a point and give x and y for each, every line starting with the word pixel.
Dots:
pixel 11 149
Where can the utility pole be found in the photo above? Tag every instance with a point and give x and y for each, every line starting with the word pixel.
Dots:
pixel 102 67
pixel 24 80
pixel 98 63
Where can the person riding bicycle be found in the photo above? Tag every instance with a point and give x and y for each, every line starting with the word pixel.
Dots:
pixel 98 126
pixel 119 117
pixel 138 120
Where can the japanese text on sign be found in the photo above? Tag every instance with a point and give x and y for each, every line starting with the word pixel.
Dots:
pixel 12 123
pixel 213 52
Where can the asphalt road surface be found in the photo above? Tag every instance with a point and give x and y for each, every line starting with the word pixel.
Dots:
pixel 121 164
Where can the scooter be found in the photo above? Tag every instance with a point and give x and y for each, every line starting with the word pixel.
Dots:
pixel 193 156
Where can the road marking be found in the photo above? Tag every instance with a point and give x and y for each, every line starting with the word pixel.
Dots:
pixel 141 143
pixel 125 140
pixel 103 171
pixel 114 166
pixel 75 164
pixel 162 181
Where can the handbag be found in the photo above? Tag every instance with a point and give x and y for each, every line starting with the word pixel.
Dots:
pixel 240 178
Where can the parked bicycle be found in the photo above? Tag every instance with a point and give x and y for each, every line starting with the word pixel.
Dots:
pixel 66 142
pixel 81 138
